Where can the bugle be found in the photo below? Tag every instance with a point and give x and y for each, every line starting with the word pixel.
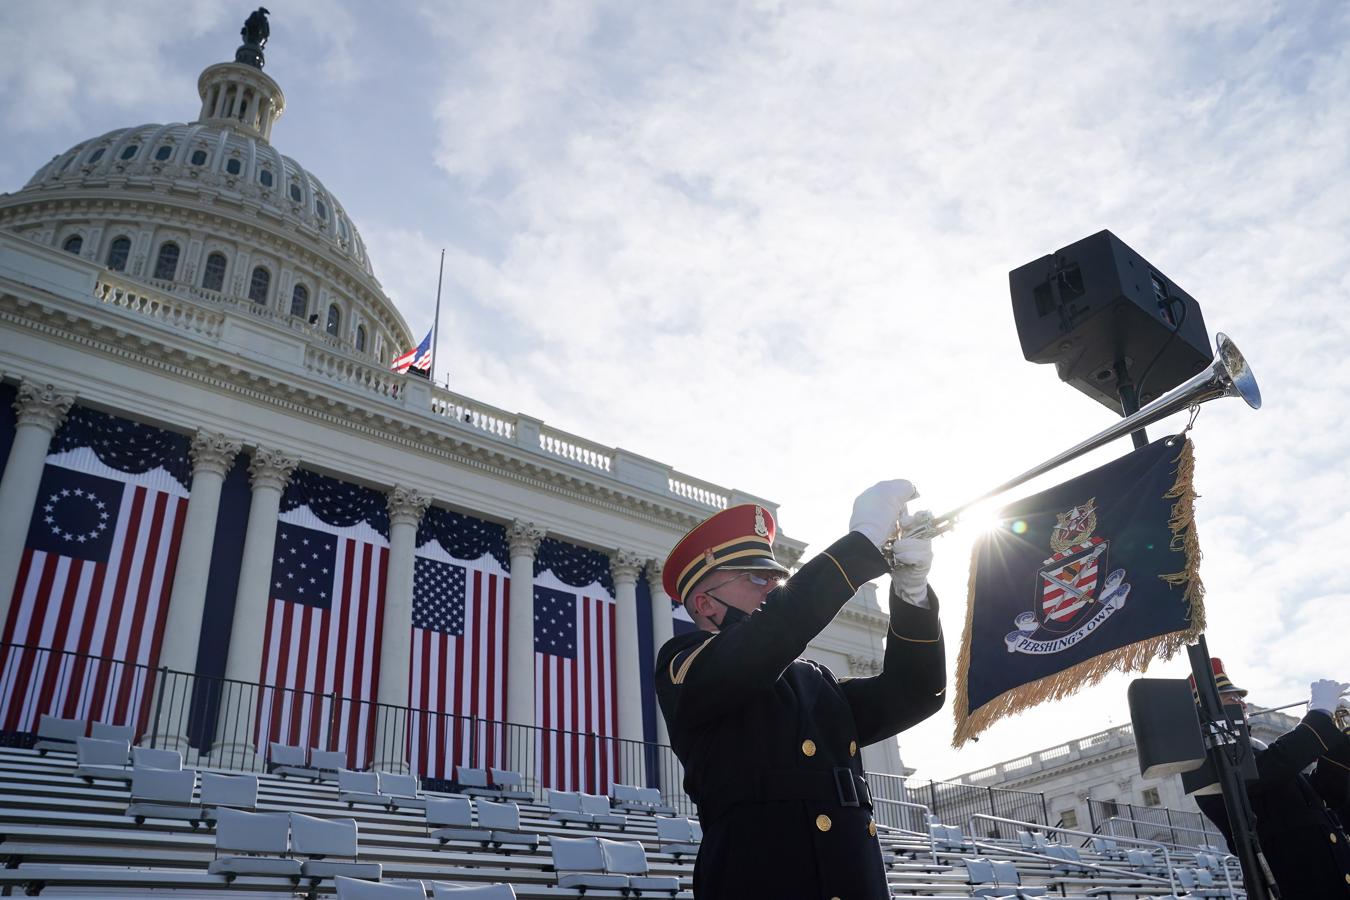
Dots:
pixel 1228 375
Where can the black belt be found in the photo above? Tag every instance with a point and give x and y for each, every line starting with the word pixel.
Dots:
pixel 839 786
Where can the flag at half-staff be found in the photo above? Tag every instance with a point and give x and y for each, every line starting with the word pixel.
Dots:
pixel 1094 575
pixel 418 357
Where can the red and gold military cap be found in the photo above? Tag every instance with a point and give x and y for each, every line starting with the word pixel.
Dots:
pixel 739 538
pixel 1221 680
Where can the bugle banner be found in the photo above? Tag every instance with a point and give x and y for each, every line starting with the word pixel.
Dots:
pixel 1097 574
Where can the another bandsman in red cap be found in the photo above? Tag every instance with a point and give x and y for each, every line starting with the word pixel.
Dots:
pixel 771 743
pixel 1303 842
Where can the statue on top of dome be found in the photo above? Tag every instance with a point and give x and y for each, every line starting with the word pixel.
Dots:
pixel 255 33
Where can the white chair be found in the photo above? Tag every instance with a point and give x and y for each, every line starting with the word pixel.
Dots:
pixel 96 759
pixel 476 892
pixel 676 837
pixel 504 820
pixel 163 794
pixel 474 782
pixel 229 791
pixel 151 758
pixel 452 818
pixel 56 733
pixel 326 764
pixel 261 842
pixel 285 760
pixel 360 787
pixel 322 838
pixel 627 858
pixel 565 806
pixel 655 804
pixel 105 732
pixel 597 807
pixel 358 889
pixel 580 863
pixel 625 797
pixel 511 784
pixel 401 791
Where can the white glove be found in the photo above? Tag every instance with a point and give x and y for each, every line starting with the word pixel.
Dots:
pixel 913 558
pixel 1326 694
pixel 878 508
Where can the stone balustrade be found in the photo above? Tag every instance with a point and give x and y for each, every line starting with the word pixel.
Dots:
pixel 202 313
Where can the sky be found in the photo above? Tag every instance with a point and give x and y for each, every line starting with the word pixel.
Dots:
pixel 768 243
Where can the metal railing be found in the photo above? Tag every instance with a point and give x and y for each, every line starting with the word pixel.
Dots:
pixel 1154 823
pixel 228 724
pixel 952 802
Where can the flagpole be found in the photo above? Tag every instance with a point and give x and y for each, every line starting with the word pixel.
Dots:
pixel 436 323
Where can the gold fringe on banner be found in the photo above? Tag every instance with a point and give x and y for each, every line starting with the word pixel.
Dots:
pixel 1131 658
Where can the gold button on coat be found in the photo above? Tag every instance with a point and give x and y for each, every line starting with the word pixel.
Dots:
pixel 808 747
pixel 852 748
pixel 872 828
pixel 823 823
pixel 1333 837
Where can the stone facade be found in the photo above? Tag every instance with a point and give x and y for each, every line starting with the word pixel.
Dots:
pixel 1101 767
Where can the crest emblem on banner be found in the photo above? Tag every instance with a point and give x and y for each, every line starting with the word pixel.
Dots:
pixel 1073 594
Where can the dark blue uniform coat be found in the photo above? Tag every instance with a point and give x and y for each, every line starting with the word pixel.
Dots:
pixel 770 743
pixel 1302 841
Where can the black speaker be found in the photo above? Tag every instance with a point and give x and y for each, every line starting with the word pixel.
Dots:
pixel 1097 301
pixel 1166 726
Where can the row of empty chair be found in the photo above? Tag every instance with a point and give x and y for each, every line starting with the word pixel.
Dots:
pixel 254 857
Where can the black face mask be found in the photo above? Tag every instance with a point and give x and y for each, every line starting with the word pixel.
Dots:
pixel 732 617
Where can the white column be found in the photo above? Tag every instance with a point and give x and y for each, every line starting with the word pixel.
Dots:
pixel 523 542
pixel 406 507
pixel 41 410
pixel 663 629
pixel 625 566
pixel 269 472
pixel 212 456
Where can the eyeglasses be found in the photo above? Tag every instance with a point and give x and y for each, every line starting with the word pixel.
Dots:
pixel 756 580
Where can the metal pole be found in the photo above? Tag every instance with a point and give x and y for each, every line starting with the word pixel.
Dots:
pixel 436 323
pixel 1129 401
pixel 1217 728
pixel 159 704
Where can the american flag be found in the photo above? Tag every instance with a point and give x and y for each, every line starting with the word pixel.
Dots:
pixel 322 636
pixel 95 575
pixel 575 704
pixel 418 357
pixel 457 676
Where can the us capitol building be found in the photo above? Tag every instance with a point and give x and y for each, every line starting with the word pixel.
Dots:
pixel 189 291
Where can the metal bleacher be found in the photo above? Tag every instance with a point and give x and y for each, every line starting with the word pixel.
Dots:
pixel 63 836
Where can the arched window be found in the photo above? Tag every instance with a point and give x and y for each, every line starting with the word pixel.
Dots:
pixel 258 285
pixel 96 155
pixel 233 166
pixel 361 337
pixel 166 263
pixel 265 177
pixel 299 300
pixel 295 192
pixel 199 157
pixel 164 152
pixel 334 320
pixel 73 244
pixel 129 151
pixel 118 252
pixel 213 274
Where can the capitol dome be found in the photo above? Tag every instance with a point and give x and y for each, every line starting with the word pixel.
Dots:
pixel 211 209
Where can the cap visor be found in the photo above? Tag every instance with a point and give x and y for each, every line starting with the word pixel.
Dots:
pixel 753 563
